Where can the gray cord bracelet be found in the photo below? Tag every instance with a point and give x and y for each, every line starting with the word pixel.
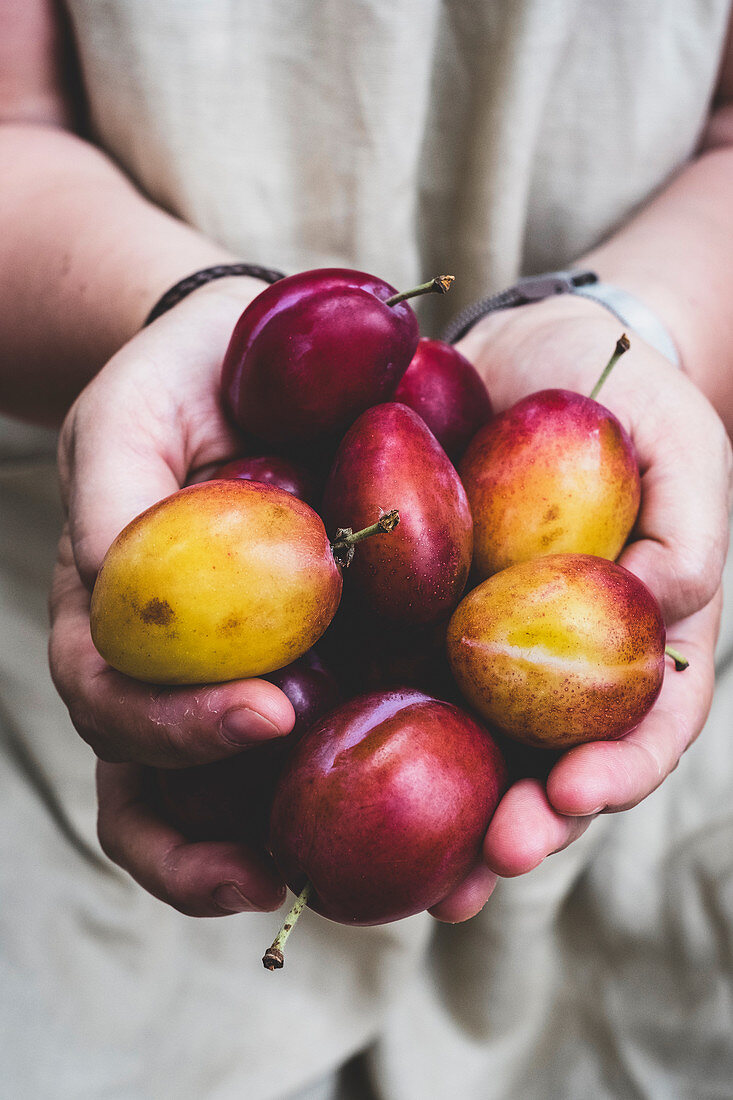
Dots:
pixel 629 310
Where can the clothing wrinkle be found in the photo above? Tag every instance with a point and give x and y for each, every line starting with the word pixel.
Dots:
pixel 18 752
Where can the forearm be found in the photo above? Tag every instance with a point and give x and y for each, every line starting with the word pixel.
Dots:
pixel 677 256
pixel 83 257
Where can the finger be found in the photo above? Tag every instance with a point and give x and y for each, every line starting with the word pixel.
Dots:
pixel 468 898
pixel 682 447
pixel 148 418
pixel 680 539
pixel 114 471
pixel 200 880
pixel 526 829
pixel 615 775
pixel 123 719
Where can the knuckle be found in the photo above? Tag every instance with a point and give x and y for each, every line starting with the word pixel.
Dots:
pixel 75 687
pixel 69 691
pixel 64 668
pixel 65 454
pixel 86 558
pixel 97 736
pixel 105 750
pixel 57 666
pixel 90 736
pixel 697 576
pixel 173 887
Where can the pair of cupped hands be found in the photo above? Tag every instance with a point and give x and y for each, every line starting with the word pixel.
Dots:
pixel 151 421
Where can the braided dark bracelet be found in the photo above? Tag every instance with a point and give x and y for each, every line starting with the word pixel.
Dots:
pixel 183 288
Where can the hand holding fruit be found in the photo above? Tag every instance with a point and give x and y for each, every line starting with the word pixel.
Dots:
pixel 148 421
pixel 118 456
pixel 677 549
pixel 576 343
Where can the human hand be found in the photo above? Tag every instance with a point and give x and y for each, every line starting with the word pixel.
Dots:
pixel 148 423
pixel 677 548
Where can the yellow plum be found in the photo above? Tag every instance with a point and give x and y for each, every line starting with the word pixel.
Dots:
pixel 221 580
pixel 560 650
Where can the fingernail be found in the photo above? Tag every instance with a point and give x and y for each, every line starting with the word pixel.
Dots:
pixel 242 725
pixel 230 897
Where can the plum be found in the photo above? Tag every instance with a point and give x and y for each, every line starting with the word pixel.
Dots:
pixel 560 650
pixel 419 573
pixel 383 806
pixel 313 351
pixel 220 581
pixel 447 391
pixel 555 473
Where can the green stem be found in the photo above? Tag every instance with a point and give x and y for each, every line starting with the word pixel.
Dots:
pixel 441 284
pixel 680 662
pixel 343 545
pixel 622 345
pixel 273 958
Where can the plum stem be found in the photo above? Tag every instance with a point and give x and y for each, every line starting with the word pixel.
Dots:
pixel 622 345
pixel 441 284
pixel 273 958
pixel 343 545
pixel 680 662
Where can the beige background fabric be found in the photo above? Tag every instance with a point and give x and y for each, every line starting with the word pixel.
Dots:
pixel 490 138
pixel 403 135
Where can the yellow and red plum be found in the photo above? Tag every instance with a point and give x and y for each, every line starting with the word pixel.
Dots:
pixel 221 580
pixel 560 650
pixel 555 473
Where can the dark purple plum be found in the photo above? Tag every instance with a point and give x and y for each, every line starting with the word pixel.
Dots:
pixel 311 352
pixel 447 391
pixel 273 470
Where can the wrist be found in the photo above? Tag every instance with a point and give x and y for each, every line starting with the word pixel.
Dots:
pixel 212 308
pixel 235 290
pixel 507 326
pixel 212 274
pixel 575 335
pixel 630 311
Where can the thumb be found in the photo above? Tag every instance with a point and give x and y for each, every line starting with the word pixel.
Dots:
pixel 149 417
pixel 111 469
pixel 680 539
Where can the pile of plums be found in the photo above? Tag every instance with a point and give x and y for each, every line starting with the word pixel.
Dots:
pixel 482 589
